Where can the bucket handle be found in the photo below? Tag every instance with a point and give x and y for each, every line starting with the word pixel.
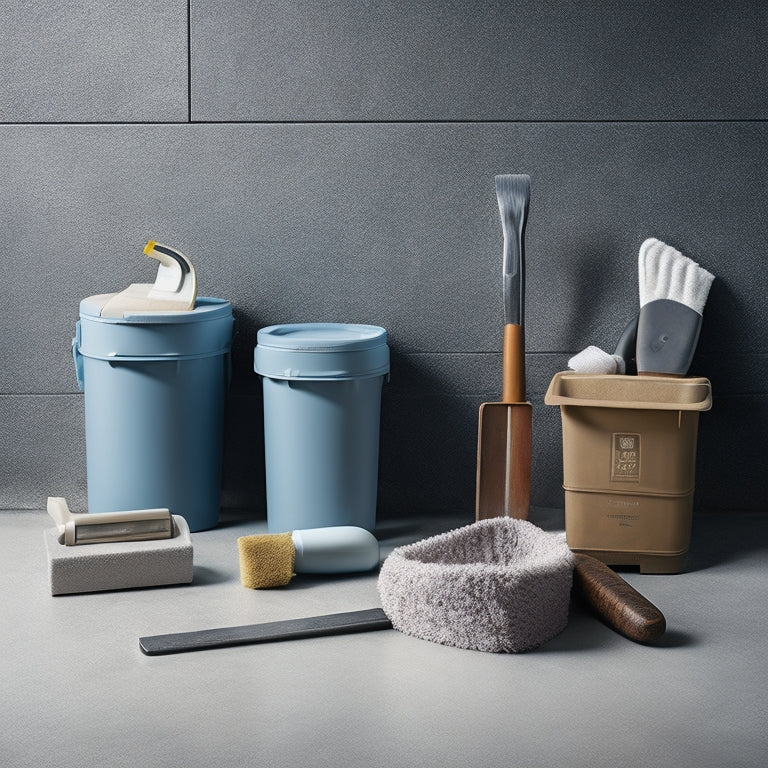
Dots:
pixel 78 358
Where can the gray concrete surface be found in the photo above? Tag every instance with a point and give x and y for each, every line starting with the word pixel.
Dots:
pixel 78 691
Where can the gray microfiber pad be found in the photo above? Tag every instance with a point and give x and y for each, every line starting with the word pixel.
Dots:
pixel 119 565
pixel 499 585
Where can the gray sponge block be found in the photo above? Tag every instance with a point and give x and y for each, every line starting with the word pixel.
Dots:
pixel 119 565
pixel 499 585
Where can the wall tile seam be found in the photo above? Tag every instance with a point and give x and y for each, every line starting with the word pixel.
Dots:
pixel 489 121
pixel 441 121
pixel 392 391
pixel 189 61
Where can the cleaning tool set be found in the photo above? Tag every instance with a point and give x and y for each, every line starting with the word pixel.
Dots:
pixel 125 550
pixel 498 585
pixel 504 429
pixel 629 442
pixel 272 559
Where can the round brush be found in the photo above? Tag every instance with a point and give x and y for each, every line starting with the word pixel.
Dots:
pixel 272 559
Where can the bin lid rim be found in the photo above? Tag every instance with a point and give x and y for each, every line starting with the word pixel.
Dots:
pixel 321 337
pixel 206 308
pixel 321 351
pixel 639 392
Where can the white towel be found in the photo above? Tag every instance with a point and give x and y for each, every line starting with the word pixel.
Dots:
pixel 664 273
pixel 594 360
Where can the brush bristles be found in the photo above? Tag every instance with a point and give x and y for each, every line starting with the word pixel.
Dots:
pixel 266 560
pixel 513 191
pixel 664 273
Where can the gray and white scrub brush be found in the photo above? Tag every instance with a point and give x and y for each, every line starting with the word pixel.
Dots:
pixel 663 339
pixel 673 292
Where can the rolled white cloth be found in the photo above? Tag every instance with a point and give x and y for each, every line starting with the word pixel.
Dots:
pixel 595 360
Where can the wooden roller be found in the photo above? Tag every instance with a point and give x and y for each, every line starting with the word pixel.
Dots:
pixel 617 603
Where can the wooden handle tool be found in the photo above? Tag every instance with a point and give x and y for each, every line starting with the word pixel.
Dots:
pixel 503 484
pixel 617 603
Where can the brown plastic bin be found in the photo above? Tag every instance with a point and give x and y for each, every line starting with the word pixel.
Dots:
pixel 629 459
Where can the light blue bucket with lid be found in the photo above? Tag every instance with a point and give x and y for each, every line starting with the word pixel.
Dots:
pixel 155 387
pixel 322 387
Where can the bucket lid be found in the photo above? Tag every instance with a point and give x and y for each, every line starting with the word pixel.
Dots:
pixel 206 308
pixel 202 331
pixel 318 351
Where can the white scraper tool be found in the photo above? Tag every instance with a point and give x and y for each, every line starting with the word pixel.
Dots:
pixel 174 289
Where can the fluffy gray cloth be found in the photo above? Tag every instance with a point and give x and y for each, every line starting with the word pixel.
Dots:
pixel 499 585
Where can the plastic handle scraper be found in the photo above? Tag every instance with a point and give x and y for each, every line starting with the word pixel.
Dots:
pixel 174 289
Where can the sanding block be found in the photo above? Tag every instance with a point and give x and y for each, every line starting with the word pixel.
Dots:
pixel 111 565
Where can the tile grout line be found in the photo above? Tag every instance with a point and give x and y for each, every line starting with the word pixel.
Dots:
pixel 372 121
pixel 189 61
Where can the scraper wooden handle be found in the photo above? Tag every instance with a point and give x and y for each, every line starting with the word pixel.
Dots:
pixel 513 383
pixel 617 603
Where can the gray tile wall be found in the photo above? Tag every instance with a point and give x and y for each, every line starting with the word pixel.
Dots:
pixel 334 161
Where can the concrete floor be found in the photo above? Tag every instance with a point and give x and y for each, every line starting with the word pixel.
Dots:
pixel 78 691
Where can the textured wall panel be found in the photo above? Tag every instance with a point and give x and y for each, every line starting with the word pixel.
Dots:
pixel 427 459
pixel 502 60
pixel 633 119
pixel 389 224
pixel 93 60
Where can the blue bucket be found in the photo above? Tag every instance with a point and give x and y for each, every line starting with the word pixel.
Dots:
pixel 322 387
pixel 155 388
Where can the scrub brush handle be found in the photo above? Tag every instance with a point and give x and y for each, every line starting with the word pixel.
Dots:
pixel 617 603
pixel 513 363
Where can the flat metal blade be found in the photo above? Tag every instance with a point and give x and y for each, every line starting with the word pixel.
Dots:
pixel 503 461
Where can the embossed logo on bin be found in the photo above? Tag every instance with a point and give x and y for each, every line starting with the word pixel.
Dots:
pixel 626 457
